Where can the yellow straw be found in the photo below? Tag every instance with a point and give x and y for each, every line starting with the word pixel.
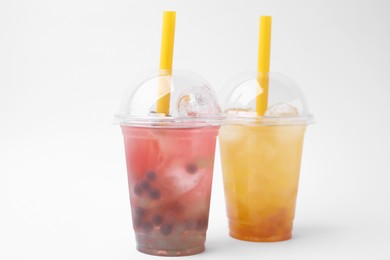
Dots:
pixel 263 63
pixel 166 56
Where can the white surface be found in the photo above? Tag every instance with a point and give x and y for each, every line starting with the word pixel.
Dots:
pixel 64 66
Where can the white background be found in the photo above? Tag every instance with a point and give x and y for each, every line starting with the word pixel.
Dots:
pixel 64 66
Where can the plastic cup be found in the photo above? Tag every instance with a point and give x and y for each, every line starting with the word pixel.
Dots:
pixel 170 162
pixel 261 157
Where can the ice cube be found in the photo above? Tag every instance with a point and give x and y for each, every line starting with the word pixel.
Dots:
pixel 197 101
pixel 282 110
pixel 182 179
pixel 241 111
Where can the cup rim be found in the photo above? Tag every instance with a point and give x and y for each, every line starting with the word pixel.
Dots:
pixel 168 122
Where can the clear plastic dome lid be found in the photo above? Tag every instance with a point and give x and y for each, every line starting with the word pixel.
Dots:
pixel 192 101
pixel 286 102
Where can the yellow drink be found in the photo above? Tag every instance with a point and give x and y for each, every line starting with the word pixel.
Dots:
pixel 261 167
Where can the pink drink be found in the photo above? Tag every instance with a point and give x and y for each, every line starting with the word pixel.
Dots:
pixel 170 174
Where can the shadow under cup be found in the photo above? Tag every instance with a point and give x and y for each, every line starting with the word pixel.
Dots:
pixel 261 165
pixel 170 174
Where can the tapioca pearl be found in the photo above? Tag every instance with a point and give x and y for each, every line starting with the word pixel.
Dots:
pixel 138 190
pixel 151 176
pixel 145 185
pixel 154 194
pixel 191 168
pixel 166 229
pixel 157 220
pixel 201 224
pixel 147 227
